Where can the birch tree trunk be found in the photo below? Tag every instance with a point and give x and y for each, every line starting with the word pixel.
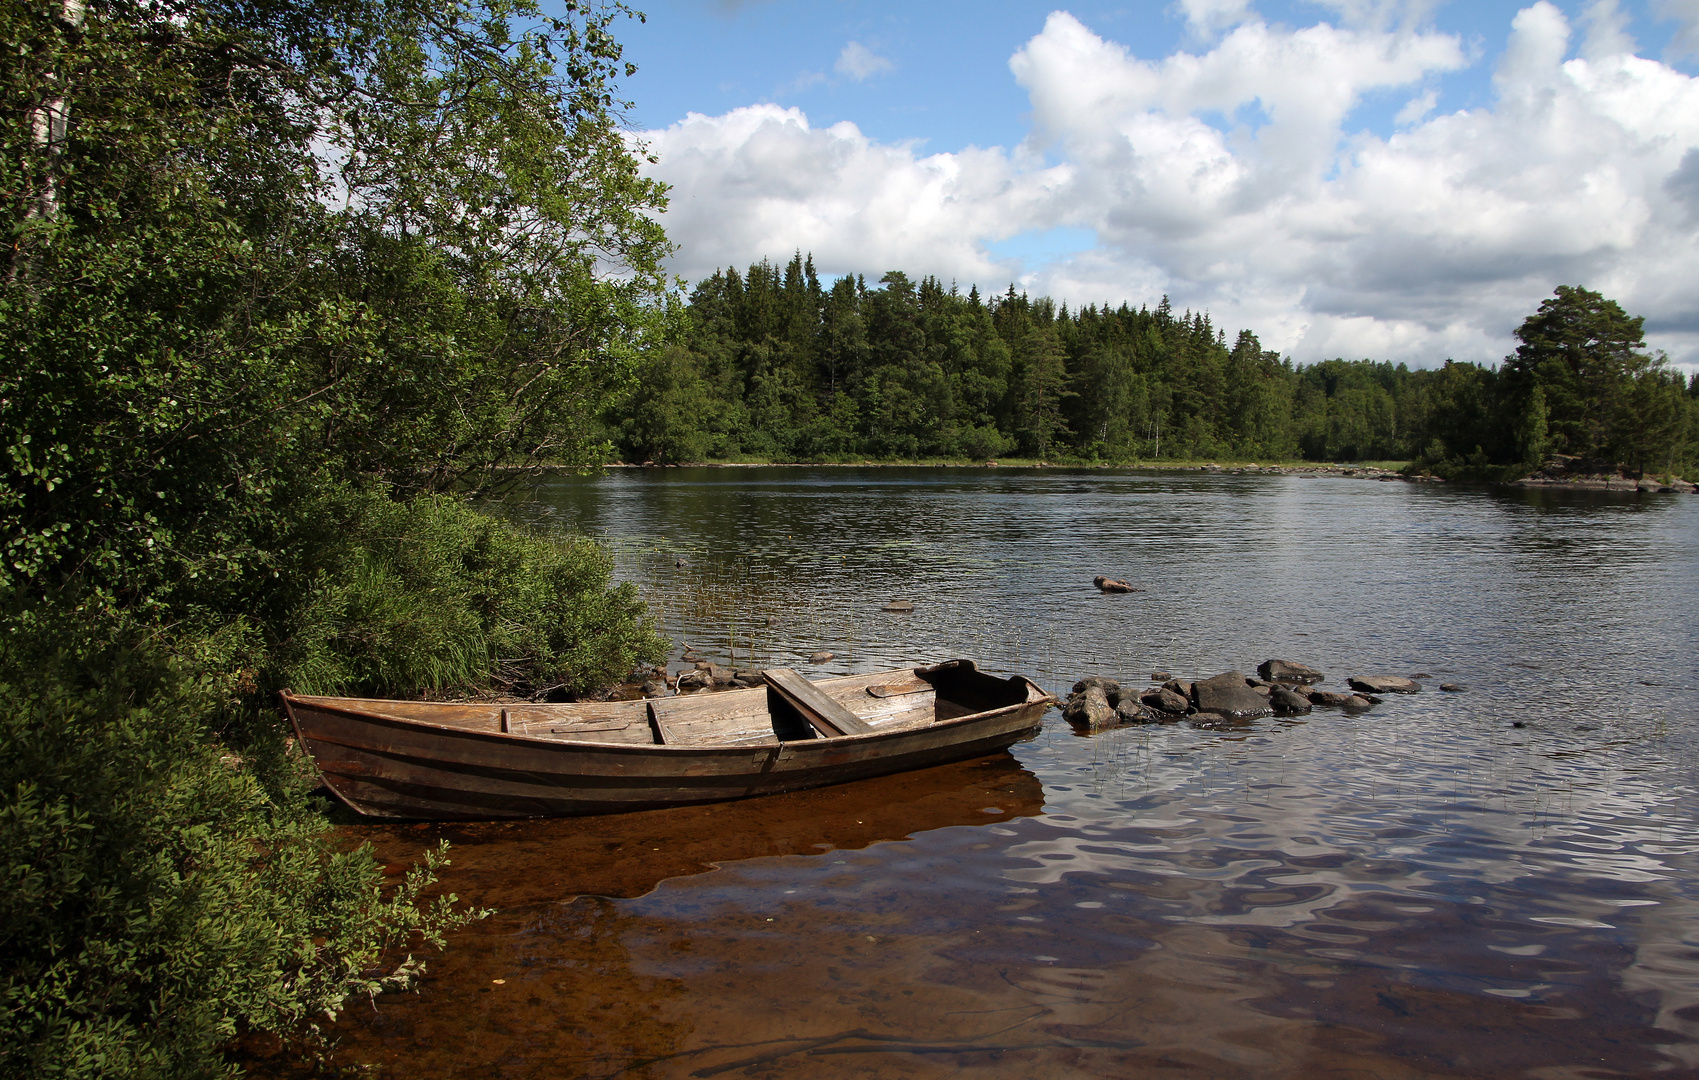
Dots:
pixel 50 122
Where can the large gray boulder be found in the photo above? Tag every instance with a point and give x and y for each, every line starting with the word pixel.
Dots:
pixel 1384 684
pixel 1288 671
pixel 1090 709
pixel 1229 695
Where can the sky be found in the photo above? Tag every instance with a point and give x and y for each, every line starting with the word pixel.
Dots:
pixel 1399 180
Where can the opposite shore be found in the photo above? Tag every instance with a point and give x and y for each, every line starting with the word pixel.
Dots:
pixel 1554 475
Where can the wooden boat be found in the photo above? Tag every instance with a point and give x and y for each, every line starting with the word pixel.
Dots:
pixel 415 759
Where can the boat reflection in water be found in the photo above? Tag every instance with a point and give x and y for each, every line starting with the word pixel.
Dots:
pixel 560 980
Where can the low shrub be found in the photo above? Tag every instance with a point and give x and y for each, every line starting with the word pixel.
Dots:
pixel 160 895
pixel 432 594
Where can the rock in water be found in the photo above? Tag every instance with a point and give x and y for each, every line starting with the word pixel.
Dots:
pixel 898 605
pixel 1111 688
pixel 820 657
pixel 1165 700
pixel 1229 695
pixel 1329 697
pixel 1451 687
pixel 1090 709
pixel 1107 584
pixel 1384 684
pixel 1287 703
pixel 1211 721
pixel 1132 711
pixel 1288 671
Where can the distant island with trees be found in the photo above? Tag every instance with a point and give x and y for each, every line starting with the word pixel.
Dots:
pixel 772 364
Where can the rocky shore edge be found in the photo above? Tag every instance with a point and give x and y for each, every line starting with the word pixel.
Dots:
pixel 1586 474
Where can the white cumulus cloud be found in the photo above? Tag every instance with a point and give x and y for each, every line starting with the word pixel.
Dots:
pixel 1428 243
pixel 761 182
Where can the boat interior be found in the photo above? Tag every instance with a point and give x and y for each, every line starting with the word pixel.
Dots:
pixel 789 708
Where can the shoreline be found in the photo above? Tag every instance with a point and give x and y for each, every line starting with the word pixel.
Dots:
pixel 1620 484
pixel 1281 469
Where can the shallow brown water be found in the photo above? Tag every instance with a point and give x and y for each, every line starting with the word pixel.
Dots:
pixel 1422 891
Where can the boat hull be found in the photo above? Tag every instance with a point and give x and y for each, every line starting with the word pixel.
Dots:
pixel 393 767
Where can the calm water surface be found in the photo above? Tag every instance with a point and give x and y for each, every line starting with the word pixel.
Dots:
pixel 1497 883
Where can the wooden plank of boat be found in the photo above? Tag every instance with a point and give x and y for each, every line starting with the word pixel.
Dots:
pixel 890 690
pixel 435 760
pixel 720 719
pixel 828 717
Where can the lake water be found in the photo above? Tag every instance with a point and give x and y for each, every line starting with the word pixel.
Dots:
pixel 1496 883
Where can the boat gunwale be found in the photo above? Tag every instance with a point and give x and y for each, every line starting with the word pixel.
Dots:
pixel 500 737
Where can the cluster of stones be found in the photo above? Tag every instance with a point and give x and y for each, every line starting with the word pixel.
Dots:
pixel 1280 688
pixel 707 675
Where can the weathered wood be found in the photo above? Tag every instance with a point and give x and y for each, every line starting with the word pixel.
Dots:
pixel 736 717
pixel 588 721
pixel 450 761
pixel 827 715
pixel 886 690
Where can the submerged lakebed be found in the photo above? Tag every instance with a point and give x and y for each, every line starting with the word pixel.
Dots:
pixel 1424 889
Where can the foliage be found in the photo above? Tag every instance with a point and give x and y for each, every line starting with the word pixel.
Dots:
pixel 432 594
pixel 286 282
pixel 908 371
pixel 159 898
pixel 299 237
pixel 1581 354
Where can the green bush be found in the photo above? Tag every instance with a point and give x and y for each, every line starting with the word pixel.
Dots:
pixel 158 898
pixel 432 594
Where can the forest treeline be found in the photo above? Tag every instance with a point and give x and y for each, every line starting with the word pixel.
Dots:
pixel 773 363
